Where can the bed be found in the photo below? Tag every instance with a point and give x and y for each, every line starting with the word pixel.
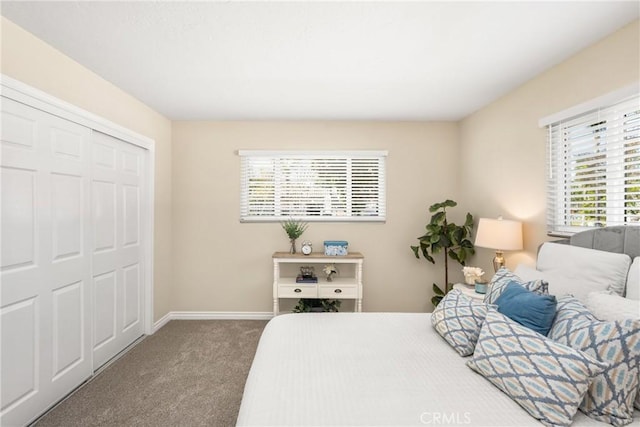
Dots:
pixel 370 369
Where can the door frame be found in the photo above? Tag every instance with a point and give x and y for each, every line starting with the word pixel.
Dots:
pixel 28 95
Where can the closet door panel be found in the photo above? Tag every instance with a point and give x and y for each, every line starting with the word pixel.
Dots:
pixel 67 210
pixel 45 266
pixel 66 148
pixel 107 276
pixel 105 294
pixel 19 329
pixel 68 324
pixel 131 219
pixel 131 161
pixel 104 216
pixel 132 288
pixel 117 254
pixel 19 368
pixel 23 262
pixel 18 218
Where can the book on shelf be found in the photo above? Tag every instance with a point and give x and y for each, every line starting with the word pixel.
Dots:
pixel 306 279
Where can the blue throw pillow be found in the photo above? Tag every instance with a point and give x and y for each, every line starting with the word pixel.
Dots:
pixel 503 277
pixel 528 308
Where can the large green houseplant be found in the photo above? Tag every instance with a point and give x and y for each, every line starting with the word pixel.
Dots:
pixel 444 236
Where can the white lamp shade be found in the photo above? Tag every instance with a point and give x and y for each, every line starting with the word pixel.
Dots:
pixel 500 234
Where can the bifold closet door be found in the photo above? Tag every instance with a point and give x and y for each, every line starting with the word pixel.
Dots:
pixel 117 189
pixel 45 260
pixel 71 277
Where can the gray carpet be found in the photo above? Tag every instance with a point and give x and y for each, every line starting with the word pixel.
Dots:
pixel 189 373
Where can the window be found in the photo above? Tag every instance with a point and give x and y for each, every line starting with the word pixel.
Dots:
pixel 594 168
pixel 312 185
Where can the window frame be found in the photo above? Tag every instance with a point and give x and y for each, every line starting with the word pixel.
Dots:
pixel 279 189
pixel 598 115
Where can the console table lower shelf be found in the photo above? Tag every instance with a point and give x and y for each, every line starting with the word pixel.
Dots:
pixel 348 286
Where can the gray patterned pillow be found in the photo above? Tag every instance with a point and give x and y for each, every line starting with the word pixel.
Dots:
pixel 610 397
pixel 458 319
pixel 568 309
pixel 503 276
pixel 548 379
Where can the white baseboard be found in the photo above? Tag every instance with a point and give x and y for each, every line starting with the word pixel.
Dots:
pixel 161 322
pixel 211 315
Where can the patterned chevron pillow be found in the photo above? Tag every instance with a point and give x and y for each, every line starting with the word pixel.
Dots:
pixel 610 397
pixel 568 309
pixel 458 319
pixel 548 379
pixel 610 307
pixel 503 276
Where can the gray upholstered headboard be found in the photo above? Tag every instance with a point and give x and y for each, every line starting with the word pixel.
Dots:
pixel 618 239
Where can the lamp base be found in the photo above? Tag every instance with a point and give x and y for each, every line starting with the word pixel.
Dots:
pixel 498 261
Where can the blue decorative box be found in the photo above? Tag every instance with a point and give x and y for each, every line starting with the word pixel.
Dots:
pixel 336 247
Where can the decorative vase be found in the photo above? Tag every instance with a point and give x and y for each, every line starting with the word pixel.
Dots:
pixel 292 250
pixel 330 277
pixel 481 287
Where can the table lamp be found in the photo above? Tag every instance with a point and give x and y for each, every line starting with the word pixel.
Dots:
pixel 501 235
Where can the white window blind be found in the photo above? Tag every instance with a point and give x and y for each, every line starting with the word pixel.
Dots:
pixel 593 169
pixel 312 186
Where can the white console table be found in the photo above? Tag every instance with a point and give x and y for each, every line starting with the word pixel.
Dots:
pixel 347 285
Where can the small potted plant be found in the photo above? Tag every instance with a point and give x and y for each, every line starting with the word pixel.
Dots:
pixel 306 305
pixel 294 229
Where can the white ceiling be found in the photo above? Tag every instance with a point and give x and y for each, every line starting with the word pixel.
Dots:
pixel 384 60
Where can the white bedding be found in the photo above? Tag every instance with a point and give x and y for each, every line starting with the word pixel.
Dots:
pixel 369 369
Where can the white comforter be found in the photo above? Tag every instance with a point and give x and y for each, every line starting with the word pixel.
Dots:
pixel 369 369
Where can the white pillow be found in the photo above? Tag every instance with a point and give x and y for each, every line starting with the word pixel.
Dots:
pixel 578 270
pixel 526 273
pixel 611 307
pixel 559 284
pixel 633 280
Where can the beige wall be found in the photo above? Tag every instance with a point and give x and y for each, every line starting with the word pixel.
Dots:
pixel 223 265
pixel 492 162
pixel 503 150
pixel 31 61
